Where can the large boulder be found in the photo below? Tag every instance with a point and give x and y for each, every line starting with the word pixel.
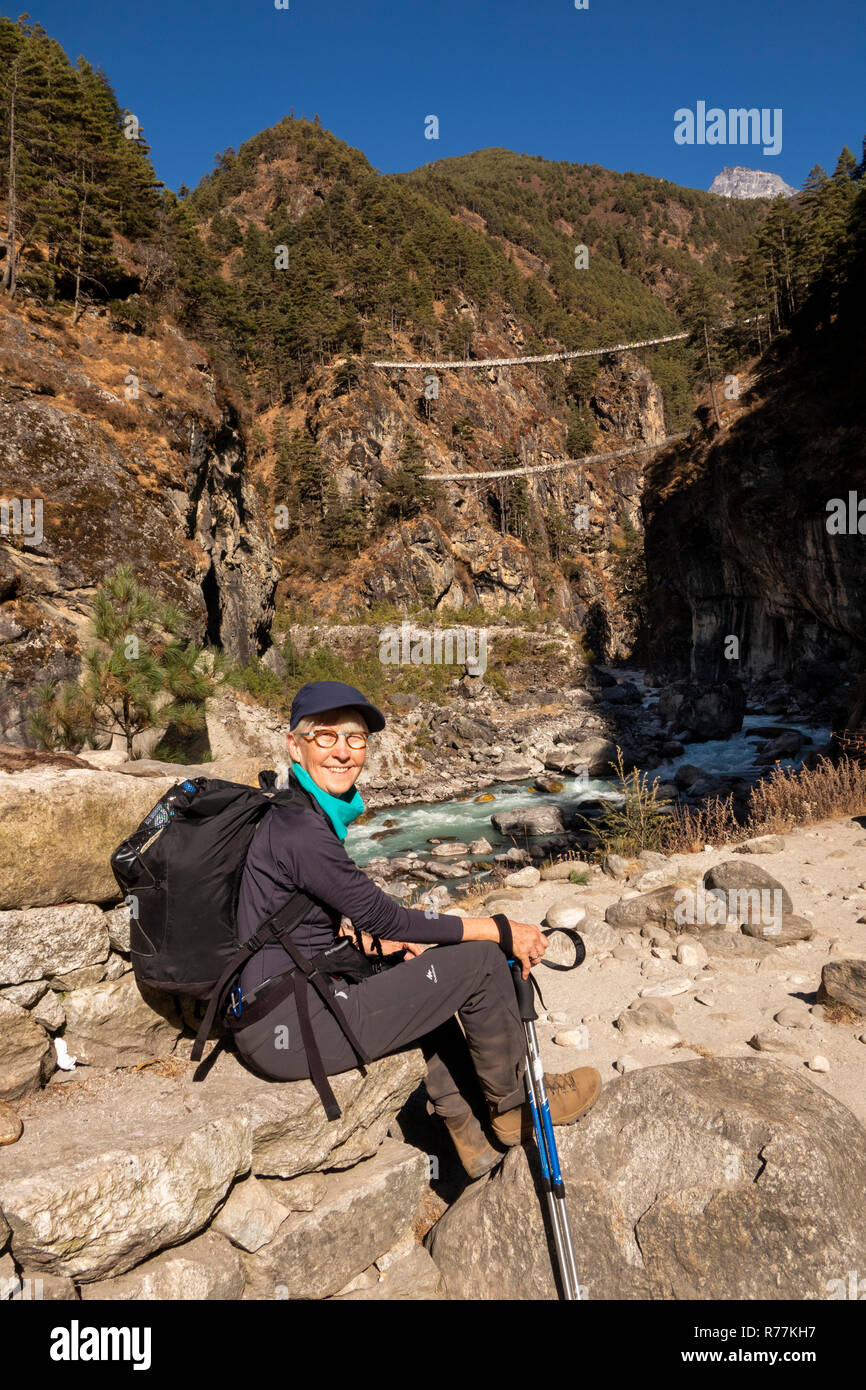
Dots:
pixel 747 888
pixel 529 820
pixel 597 755
pixel 66 826
pixel 41 942
pixel 845 982
pixel 117 1024
pixel 68 822
pixel 361 1215
pixel 101 1180
pixel 713 1179
pixel 205 1269
pixel 663 907
pixel 706 711
pixel 26 1054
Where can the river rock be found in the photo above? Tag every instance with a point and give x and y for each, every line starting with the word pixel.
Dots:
pixel 768 1042
pixel 561 760
pixel 456 870
pixel 686 775
pixel 45 1287
pixel 560 916
pixel 564 868
pixel 547 782
pixel 732 947
pixel 364 1212
pixel 648 1025
pixel 450 849
pixel 598 938
pixel 513 855
pixel 524 878
pixel 205 1269
pixel 595 754
pixel 653 859
pixel 615 866
pixel 659 1217
pixel 676 985
pixel 762 844
pixel 10 1125
pixel 529 820
pixel 691 954
pixel 792 1017
pixel 480 846
pixel 26 1054
pixel 512 770
pixel 704 711
pixel 119 1023
pixel 657 907
pixel 26 995
pixel 663 1006
pixel 785 745
pixel 844 980
pixel 298 1194
pixel 49 941
pixel 734 878
pixel 651 879
pixel 252 1215
pixel 92 1189
pixel 791 928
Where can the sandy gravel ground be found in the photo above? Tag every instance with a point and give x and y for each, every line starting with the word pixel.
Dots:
pixel 823 868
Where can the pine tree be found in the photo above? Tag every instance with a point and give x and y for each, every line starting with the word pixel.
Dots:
pixel 140 653
pixel 407 490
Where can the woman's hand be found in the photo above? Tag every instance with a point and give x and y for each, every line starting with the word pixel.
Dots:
pixel 530 944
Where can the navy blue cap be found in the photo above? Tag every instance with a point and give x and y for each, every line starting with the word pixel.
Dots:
pixel 317 696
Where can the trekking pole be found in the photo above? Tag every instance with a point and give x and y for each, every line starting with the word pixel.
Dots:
pixel 544 1138
pixel 539 1107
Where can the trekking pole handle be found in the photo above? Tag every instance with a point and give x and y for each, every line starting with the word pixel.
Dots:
pixel 524 988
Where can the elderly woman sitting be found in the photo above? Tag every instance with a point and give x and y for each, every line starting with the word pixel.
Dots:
pixel 299 846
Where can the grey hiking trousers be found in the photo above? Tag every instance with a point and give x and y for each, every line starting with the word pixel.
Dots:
pixel 412 1004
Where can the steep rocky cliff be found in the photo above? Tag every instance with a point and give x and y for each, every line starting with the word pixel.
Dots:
pixel 459 557
pixel 120 446
pixel 739 540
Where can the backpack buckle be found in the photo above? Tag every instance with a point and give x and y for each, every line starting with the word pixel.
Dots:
pixel 236 1002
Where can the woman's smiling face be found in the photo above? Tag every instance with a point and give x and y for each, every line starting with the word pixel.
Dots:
pixel 335 769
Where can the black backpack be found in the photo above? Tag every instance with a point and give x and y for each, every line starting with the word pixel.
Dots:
pixel 181 874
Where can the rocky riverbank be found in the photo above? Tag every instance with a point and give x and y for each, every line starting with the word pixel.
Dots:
pixel 121 1177
pixel 654 988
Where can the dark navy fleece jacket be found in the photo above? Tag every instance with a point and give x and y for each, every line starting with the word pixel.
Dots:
pixel 297 847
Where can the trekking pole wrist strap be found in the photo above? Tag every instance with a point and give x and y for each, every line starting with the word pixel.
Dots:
pixel 506 940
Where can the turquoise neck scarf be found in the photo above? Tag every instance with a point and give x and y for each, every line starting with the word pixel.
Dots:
pixel 340 810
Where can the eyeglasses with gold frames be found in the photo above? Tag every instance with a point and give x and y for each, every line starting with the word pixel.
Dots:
pixel 328 738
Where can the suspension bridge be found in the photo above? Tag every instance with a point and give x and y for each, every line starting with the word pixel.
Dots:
pixel 458 364
pixel 560 463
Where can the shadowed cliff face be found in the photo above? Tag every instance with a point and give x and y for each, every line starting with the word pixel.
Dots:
pixel 737 541
pixel 157 481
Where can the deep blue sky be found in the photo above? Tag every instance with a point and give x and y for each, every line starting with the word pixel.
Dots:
pixel 538 76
